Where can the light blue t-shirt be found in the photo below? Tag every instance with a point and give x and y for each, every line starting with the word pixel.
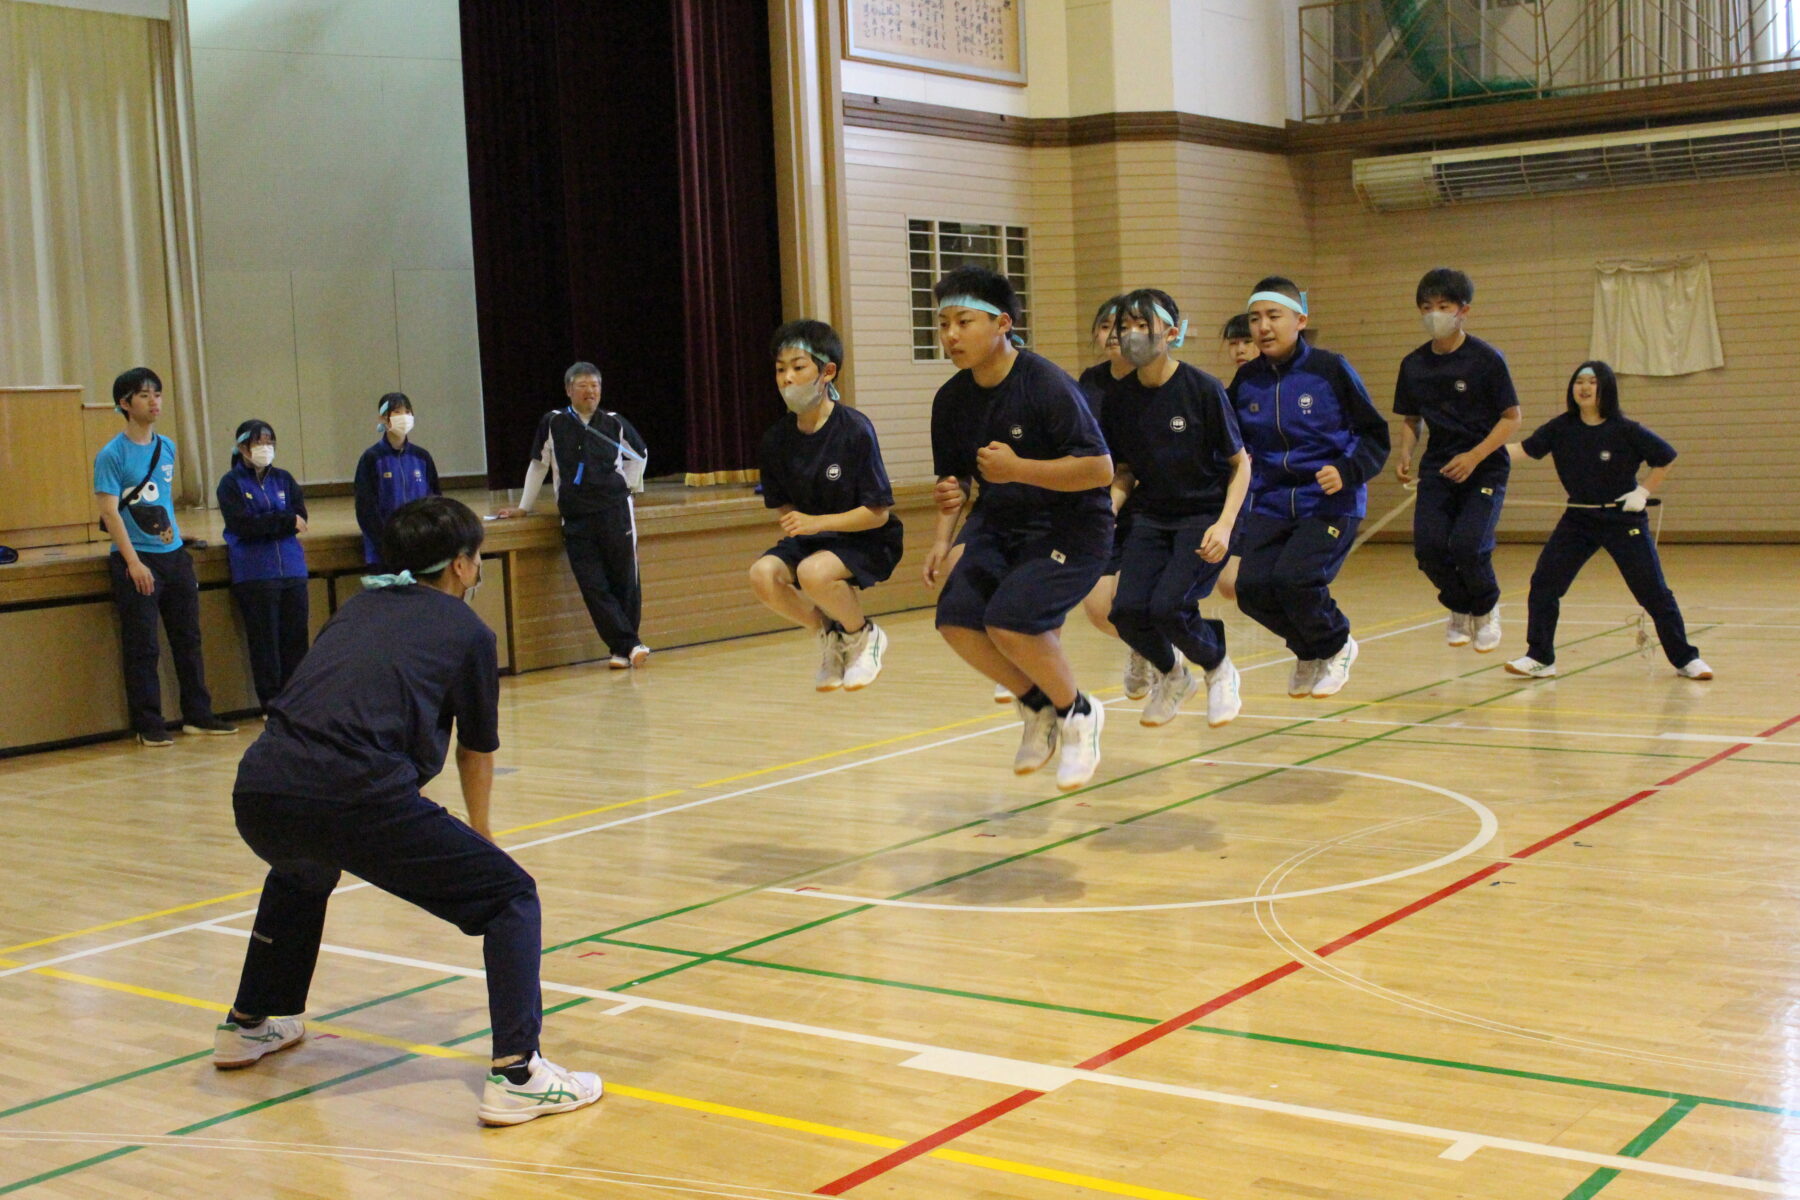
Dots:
pixel 119 466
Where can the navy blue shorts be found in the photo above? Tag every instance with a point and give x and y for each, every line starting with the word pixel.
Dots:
pixel 870 557
pixel 1022 583
pixel 1121 529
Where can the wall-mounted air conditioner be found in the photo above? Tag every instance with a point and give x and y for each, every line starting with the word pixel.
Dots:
pixel 1601 162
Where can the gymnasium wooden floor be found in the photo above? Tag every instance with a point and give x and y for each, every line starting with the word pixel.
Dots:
pixel 1451 934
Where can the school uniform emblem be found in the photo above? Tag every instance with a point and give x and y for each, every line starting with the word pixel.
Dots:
pixel 1178 424
pixel 1255 407
pixel 1057 556
pixel 1306 403
pixel 1461 386
pixel 1606 456
pixel 1018 431
pixel 1332 530
pixel 834 472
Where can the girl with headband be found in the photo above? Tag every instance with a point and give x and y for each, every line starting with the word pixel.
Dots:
pixel 822 472
pixel 1597 451
pixel 265 512
pixel 1315 440
pixel 1178 455
pixel 392 472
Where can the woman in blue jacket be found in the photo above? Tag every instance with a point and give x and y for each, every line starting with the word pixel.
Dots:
pixel 265 513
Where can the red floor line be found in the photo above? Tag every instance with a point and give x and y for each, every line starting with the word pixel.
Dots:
pixel 948 1133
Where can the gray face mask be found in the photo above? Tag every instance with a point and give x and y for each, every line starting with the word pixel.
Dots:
pixel 1141 348
pixel 803 397
pixel 1440 325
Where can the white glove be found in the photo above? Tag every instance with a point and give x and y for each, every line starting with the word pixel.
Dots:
pixel 1634 500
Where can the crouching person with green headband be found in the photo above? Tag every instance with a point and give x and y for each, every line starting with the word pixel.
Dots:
pixel 822 472
pixel 333 785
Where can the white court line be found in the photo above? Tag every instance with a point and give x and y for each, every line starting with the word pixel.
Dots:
pixel 1048 1076
pixel 1467 727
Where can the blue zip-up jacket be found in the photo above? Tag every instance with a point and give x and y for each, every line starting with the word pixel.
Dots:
pixel 260 538
pixel 1308 413
pixel 387 478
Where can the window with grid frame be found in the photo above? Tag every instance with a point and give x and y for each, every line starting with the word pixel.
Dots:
pixel 936 247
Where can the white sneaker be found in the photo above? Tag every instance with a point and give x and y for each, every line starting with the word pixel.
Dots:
pixel 1139 676
pixel 1334 672
pixel 1456 631
pixel 1080 745
pixel 1222 700
pixel 1038 742
pixel 1487 630
pixel 234 1046
pixel 618 662
pixel 1305 674
pixel 640 654
pixel 1168 693
pixel 830 676
pixel 1696 669
pixel 1003 694
pixel 863 652
pixel 551 1089
pixel 1531 668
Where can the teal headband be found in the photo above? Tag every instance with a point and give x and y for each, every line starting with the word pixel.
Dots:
pixel 1588 371
pixel 1162 315
pixel 979 306
pixel 401 579
pixel 805 346
pixel 1298 306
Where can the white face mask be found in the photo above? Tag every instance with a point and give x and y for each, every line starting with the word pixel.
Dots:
pixel 400 423
pixel 1440 325
pixel 262 456
pixel 803 397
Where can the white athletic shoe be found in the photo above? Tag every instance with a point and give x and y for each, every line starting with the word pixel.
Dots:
pixel 1696 669
pixel 1080 745
pixel 1003 694
pixel 618 662
pixel 640 654
pixel 1487 630
pixel 1038 741
pixel 1531 668
pixel 830 676
pixel 863 651
pixel 1456 630
pixel 1334 672
pixel 234 1046
pixel 1168 693
pixel 551 1089
pixel 1140 676
pixel 1305 674
pixel 1222 700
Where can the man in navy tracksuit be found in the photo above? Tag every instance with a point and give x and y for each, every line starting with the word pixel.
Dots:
pixel 265 512
pixel 1314 440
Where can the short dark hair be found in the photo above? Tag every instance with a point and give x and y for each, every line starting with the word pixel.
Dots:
pixel 817 338
pixel 250 430
pixel 1235 329
pixel 1605 381
pixel 429 531
pixel 1281 285
pixel 1105 312
pixel 1445 283
pixel 1143 303
pixel 393 400
pixel 980 283
pixel 130 383
pixel 578 370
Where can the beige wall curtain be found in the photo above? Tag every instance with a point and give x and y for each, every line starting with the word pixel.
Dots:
pixel 1656 317
pixel 97 225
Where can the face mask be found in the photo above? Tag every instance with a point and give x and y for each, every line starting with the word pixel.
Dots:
pixel 400 423
pixel 1140 348
pixel 262 456
pixel 803 397
pixel 1440 325
pixel 469 596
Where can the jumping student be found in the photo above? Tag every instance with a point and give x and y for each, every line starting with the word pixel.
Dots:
pixel 1240 348
pixel 1315 439
pixel 1040 531
pixel 1597 451
pixel 822 470
pixel 265 512
pixel 595 460
pixel 333 785
pixel 1459 386
pixel 1177 455
pixel 152 574
pixel 392 472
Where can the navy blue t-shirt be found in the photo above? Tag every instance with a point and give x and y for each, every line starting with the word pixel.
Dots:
pixel 1597 463
pixel 834 469
pixel 1095 383
pixel 1177 439
pixel 1040 412
pixel 1461 396
pixel 367 715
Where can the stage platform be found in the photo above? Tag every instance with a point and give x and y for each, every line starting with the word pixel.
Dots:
pixel 59 639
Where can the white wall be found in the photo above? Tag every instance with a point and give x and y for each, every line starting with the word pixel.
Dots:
pixel 335 232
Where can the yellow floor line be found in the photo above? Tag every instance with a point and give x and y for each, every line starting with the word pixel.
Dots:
pixel 123 921
pixel 589 812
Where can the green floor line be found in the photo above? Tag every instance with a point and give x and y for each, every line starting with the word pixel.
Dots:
pixel 1635 1148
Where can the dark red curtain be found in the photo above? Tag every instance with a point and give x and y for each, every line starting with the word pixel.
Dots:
pixel 621 216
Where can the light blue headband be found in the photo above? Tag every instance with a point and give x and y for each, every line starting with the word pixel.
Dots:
pixel 805 347
pixel 1163 315
pixel 1588 371
pixel 1298 306
pixel 979 306
pixel 401 579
